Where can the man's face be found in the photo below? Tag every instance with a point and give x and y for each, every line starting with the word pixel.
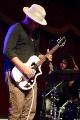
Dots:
pixel 63 64
pixel 32 24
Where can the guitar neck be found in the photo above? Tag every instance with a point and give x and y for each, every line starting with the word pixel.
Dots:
pixel 41 61
pixel 61 42
pixel 53 50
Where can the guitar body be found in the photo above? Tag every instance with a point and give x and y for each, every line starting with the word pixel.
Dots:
pixel 21 80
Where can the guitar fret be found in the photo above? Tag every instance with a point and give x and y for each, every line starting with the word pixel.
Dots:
pixel 40 62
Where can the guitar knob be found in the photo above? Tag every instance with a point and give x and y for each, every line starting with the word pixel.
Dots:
pixel 32 81
pixel 28 83
pixel 21 79
pixel 33 72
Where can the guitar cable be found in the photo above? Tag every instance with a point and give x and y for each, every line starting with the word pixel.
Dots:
pixel 31 103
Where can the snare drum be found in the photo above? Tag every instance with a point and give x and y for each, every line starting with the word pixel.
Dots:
pixel 68 111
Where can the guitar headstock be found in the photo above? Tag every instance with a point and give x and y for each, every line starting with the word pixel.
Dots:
pixel 61 41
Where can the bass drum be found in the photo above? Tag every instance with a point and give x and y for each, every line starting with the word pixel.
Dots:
pixel 44 106
pixel 69 111
pixel 47 106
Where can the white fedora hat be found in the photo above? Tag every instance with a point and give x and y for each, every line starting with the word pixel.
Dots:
pixel 36 13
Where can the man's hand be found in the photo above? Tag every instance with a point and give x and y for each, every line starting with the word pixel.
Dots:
pixel 76 67
pixel 49 56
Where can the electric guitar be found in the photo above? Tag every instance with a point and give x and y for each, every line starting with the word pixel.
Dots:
pixel 25 83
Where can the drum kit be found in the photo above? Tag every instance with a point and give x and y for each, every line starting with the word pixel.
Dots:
pixel 70 110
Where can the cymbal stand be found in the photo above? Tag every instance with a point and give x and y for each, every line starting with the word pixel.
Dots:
pixel 78 113
pixel 54 115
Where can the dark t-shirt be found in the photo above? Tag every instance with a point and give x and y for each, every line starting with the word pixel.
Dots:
pixel 18 44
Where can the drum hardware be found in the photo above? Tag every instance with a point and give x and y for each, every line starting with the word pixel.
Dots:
pixel 78 113
pixel 62 109
pixel 69 111
pixel 54 107
pixel 64 75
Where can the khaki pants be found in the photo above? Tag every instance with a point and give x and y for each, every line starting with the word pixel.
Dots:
pixel 20 101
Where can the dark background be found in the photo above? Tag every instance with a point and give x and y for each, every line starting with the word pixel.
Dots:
pixel 63 20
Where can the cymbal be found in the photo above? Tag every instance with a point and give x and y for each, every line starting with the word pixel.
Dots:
pixel 66 75
pixel 69 74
